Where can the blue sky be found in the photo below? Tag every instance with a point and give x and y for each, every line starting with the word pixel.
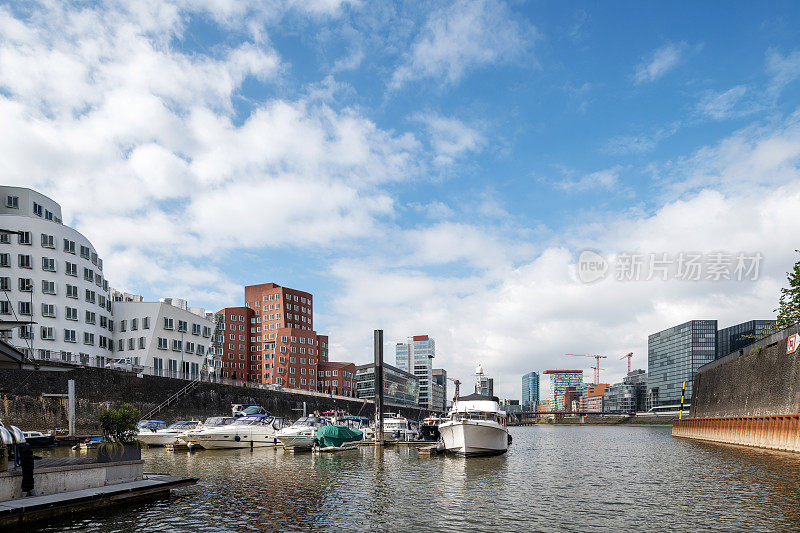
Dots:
pixel 421 167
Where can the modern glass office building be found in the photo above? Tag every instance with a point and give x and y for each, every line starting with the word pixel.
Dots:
pixel 737 337
pixel 674 355
pixel 399 387
pixel 559 381
pixel 415 356
pixel 530 391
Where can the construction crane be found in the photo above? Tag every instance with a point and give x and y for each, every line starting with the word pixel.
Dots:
pixel 628 355
pixel 457 383
pixel 597 368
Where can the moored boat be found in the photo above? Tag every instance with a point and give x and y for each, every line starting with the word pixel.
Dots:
pixel 429 428
pixel 253 431
pixel 154 435
pixel 476 427
pixel 338 437
pixel 397 428
pixel 37 439
pixel 300 435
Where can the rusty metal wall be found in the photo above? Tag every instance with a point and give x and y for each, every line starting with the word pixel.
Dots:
pixel 777 432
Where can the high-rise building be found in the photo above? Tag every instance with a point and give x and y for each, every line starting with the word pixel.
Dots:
pixel 674 355
pixel 415 356
pixel 53 280
pixel 234 343
pixel 628 396
pixel 440 378
pixel 483 385
pixel 399 387
pixel 559 381
pixel 738 336
pixel 530 391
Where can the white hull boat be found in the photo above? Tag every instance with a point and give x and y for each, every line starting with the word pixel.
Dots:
pixel 256 431
pixel 476 427
pixel 300 435
pixel 170 435
pixel 397 428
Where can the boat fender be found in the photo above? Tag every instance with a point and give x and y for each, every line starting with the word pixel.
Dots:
pixel 237 438
pixel 26 462
pixel 509 438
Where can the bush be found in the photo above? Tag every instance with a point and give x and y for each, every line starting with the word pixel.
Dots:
pixel 119 425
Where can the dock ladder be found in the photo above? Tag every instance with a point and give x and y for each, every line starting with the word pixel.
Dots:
pixel 189 386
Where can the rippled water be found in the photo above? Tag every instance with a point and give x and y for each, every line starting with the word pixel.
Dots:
pixel 573 478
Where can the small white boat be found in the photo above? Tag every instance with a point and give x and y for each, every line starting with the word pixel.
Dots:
pixel 300 435
pixel 37 439
pixel 253 431
pixel 210 422
pixel 397 428
pixel 476 427
pixel 154 435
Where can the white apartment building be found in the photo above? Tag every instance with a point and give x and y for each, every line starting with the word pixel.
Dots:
pixel 51 277
pixel 164 338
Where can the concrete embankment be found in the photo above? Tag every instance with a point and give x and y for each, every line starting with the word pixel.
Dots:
pixel 750 397
pixel 23 405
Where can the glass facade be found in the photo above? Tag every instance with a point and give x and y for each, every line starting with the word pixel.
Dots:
pixel 674 355
pixel 530 391
pixel 629 396
pixel 399 387
pixel 737 337
pixel 415 356
pixel 559 381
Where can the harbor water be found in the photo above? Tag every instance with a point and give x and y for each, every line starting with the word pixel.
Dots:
pixel 554 478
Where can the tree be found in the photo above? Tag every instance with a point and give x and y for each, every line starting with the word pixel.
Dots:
pixel 119 425
pixel 789 305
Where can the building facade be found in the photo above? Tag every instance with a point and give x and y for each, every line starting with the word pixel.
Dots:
pixel 337 378
pixel 170 340
pixel 52 278
pixel 440 379
pixel 630 396
pixel 738 336
pixel 415 356
pixel 399 387
pixel 674 355
pixel 559 381
pixel 530 391
pixel 233 339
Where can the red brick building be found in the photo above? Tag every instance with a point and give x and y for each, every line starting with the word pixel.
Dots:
pixel 280 342
pixel 337 378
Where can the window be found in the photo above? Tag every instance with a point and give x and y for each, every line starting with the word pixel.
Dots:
pixel 88 274
pixel 206 331
pixel 85 252
pixel 24 237
pixel 47 333
pixel 48 214
pixel 201 350
pixel 69 246
pixel 121 345
pixel 72 291
pixel 91 318
pixel 5 260
pixel 12 202
pixel 94 258
pixel 182 325
pixel 168 323
pixel 123 325
pixel 88 338
pixel 71 313
pixel 188 347
pixel 37 209
pixel 71 269
pixel 91 297
pixel 25 261
pixel 134 324
pixel 196 329
pixel 162 343
pixel 48 241
pixel 146 322
pixel 176 346
pixel 131 343
pixel 48 264
pixel 103 321
pixel 5 308
pixel 69 335
pixel 5 238
pixel 48 287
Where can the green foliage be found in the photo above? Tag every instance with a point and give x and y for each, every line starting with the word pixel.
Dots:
pixel 119 425
pixel 789 305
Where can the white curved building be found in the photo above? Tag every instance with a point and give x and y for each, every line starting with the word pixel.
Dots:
pixel 52 276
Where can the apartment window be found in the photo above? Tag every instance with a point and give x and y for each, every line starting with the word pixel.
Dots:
pixel 91 297
pixel 189 347
pixel 48 287
pixel 48 241
pixel 201 350
pixel 48 214
pixel 5 238
pixel 91 318
pixel 168 323
pixel 5 308
pixel 103 342
pixel 69 246
pixel 182 325
pixel 69 335
pixel 5 260
pixel 88 338
pixel 48 264
pixel 49 310
pixel 85 252
pixel 72 269
pixel 103 322
pixel 71 313
pixel 88 274
pixel 94 258
pixel 12 202
pixel 24 237
pixel 121 345
pixel 98 280
pixel 123 325
pixel 134 324
pixel 176 346
pixel 162 343
pixel 206 331
pixel 47 333
pixel 131 343
pixel 25 261
pixel 101 300
pixel 37 209
pixel 146 322
pixel 195 329
pixel 72 291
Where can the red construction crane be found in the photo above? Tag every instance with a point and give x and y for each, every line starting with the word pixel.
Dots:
pixel 597 368
pixel 628 355
pixel 457 383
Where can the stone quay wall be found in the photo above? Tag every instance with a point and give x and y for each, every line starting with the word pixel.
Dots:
pixel 22 403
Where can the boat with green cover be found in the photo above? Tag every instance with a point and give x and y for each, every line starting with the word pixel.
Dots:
pixel 337 437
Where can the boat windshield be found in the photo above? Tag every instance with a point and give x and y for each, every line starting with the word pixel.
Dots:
pixel 216 421
pixel 151 424
pixel 253 410
pixel 479 415
pixel 310 421
pixel 184 425
pixel 253 421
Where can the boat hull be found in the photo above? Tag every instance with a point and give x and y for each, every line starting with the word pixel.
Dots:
pixel 298 442
pixel 217 442
pixel 471 438
pixel 159 439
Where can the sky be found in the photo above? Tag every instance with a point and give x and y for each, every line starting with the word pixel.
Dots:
pixel 519 180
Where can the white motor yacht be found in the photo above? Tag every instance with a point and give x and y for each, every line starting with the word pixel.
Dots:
pixel 253 431
pixel 210 422
pixel 300 435
pixel 397 428
pixel 476 426
pixel 155 434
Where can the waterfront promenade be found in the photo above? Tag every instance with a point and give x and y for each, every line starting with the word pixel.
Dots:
pixel 554 478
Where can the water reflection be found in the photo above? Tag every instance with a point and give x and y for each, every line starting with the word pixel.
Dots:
pixel 552 479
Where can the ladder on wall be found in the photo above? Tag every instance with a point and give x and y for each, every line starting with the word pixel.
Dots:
pixel 189 386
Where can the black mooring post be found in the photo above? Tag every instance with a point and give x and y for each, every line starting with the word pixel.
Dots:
pixel 378 334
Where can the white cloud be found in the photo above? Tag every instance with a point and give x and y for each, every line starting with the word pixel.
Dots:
pixel 607 179
pixel 642 143
pixel 722 105
pixel 450 137
pixel 782 70
pixel 463 36
pixel 661 61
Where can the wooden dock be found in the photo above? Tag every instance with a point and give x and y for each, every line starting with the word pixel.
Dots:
pixel 35 508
